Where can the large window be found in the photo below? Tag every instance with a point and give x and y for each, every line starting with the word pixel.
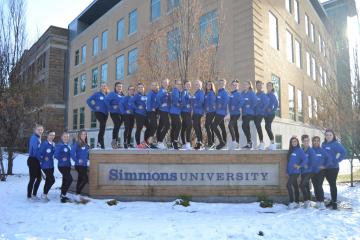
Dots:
pixel 308 64
pixel 313 68
pixel 306 25
pixel 76 86
pixel 83 54
pixel 173 44
pixel 289 47
pixel 315 107
pixel 320 42
pixel 278 141
pixel 310 107
pixel 120 30
pixel 171 4
pixel 95 46
pixel 298 54
pixel 82 118
pixel 104 73
pixel 321 76
pixel 155 9
pixel 325 77
pixel 77 57
pixel 288 5
pixel 300 105
pixel 132 61
pixel 83 83
pixel 291 93
pixel 93 120
pixel 75 119
pixel 104 40
pixel 209 32
pixel 120 67
pixel 273 31
pixel 296 11
pixel 94 78
pixel 312 32
pixel 276 82
pixel 133 22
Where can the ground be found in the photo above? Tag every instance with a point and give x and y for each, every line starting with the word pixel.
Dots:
pixel 20 219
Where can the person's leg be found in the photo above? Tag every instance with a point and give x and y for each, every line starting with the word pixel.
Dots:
pixel 183 127
pixel 214 127
pixel 177 127
pixel 320 176
pixel 236 128
pixel 67 179
pixel 116 118
pixel 188 126
pixel 152 123
pixel 223 130
pixel 296 187
pixel 84 178
pixel 246 127
pixel 147 129
pixel 208 122
pixel 50 179
pixel 232 128
pixel 331 176
pixel 140 121
pixel 290 189
pixel 258 120
pixel 132 123
pixel 197 127
pixel 32 176
pixel 164 124
pixel 304 185
pixel 38 177
pixel 79 179
pixel 101 117
pixel 268 123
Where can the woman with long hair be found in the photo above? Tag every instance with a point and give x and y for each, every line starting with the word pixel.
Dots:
pixel 235 103
pixel 261 105
pixel 248 111
pixel 307 171
pixel 129 117
pixel 152 112
pixel 175 111
pixel 198 112
pixel 210 112
pixel 270 112
pixel 163 101
pixel 186 123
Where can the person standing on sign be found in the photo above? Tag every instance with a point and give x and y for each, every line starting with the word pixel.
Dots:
pixel 270 111
pixel 248 111
pixel 186 109
pixel 261 105
pixel 198 112
pixel 152 112
pixel 210 111
pixel 307 170
pixel 163 101
pixel 235 104
pixel 175 110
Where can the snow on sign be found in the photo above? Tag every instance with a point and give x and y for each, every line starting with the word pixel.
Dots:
pixel 188 174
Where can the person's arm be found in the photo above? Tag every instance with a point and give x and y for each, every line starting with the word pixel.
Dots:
pixel 73 152
pixel 91 102
pixel 266 102
pixel 108 100
pixel 57 152
pixel 276 103
pixel 40 153
pixel 341 152
pixel 175 98
pixel 327 158
pixel 253 100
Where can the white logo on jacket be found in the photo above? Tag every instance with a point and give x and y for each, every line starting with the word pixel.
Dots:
pixel 101 98
pixel 66 150
pixel 48 150
pixel 293 154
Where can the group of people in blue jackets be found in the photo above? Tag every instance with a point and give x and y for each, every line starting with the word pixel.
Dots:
pixel 180 108
pixel 314 162
pixel 41 158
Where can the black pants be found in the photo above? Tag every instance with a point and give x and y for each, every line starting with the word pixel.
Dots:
pixel 317 180
pixel 141 121
pixel 258 120
pixel 233 128
pixel 219 122
pixel 197 126
pixel 293 187
pixel 49 180
pixel 331 176
pixel 246 126
pixel 175 127
pixel 164 126
pixel 186 126
pixel 305 186
pixel 35 176
pixel 102 118
pixel 268 123
pixel 117 119
pixel 129 125
pixel 66 179
pixel 209 118
pixel 83 178
pixel 152 118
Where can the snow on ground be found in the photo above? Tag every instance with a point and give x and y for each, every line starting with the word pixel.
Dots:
pixel 20 219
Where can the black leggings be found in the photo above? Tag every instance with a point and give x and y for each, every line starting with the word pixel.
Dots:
pixel 152 118
pixel 66 179
pixel 317 180
pixel 219 121
pixel 141 121
pixel 102 118
pixel 305 186
pixel 233 128
pixel 49 180
pixel 117 119
pixel 331 176
pixel 129 125
pixel 268 123
pixel 175 127
pixel 83 178
pixel 209 118
pixel 258 120
pixel 35 176
pixel 186 126
pixel 164 126
pixel 246 126
pixel 293 187
pixel 197 126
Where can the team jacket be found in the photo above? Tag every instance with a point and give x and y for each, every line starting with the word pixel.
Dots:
pixel 273 105
pixel 138 103
pixel 222 100
pixel 34 145
pixel 297 157
pixel 210 102
pixel 175 107
pixel 235 103
pixel 336 152
pixel 310 154
pixel 114 104
pixel 321 159
pixel 185 101
pixel 129 110
pixel 80 155
pixel 261 104
pixel 96 102
pixel 163 100
pixel 62 154
pixel 249 105
pixel 198 102
pixel 46 155
pixel 151 104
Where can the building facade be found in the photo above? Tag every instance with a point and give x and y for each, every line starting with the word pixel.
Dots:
pixel 288 42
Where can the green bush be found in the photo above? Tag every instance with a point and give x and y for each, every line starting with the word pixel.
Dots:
pixel 183 200
pixel 265 202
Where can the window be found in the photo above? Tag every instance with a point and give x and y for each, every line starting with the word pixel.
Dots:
pixel 155 9
pixel 300 106
pixel 133 22
pixel 276 82
pixel 312 32
pixel 289 47
pixel 82 118
pixel 76 86
pixel 308 64
pixel 320 43
pixel 83 83
pixel 306 25
pixel 288 5
pixel 94 78
pixel 291 92
pixel 278 141
pixel 171 4
pixel 77 57
pixel 120 30
pixel 104 73
pixel 297 54
pixel 95 46
pixel 104 40
pixel 93 120
pixel 296 11
pixel 321 76
pixel 273 31
pixel 313 68
pixel 83 54
pixel 209 28
pixel 132 61
pixel 324 48
pixel 310 107
pixel 92 142
pixel 173 44
pixel 120 67
pixel 315 107
pixel 75 119
pixel 325 78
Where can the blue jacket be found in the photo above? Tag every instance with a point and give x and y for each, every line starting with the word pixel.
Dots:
pixel 297 157
pixel 175 107
pixel 198 102
pixel 62 154
pixel 46 155
pixel 249 105
pixel 273 105
pixel 151 105
pixel 114 104
pixel 261 104
pixel 185 101
pixel 96 102
pixel 336 152
pixel 321 159
pixel 129 110
pixel 80 155
pixel 210 102
pixel 310 154
pixel 34 145
pixel 235 103
pixel 138 103
pixel 222 100
pixel 163 100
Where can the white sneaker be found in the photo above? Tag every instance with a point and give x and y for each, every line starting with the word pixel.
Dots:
pixel 35 198
pixel 272 146
pixel 233 145
pixel 161 145
pixel 307 204
pixel 188 146
pixel 261 146
pixel 322 206
pixel 77 198
pixel 44 198
pixel 293 205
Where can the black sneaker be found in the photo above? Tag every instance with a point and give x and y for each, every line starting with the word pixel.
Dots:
pixel 125 145
pixel 220 146
pixel 100 145
pixel 198 146
pixel 248 146
pixel 175 145
pixel 211 146
pixel 334 206
pixel 329 204
pixel 153 146
pixel 64 199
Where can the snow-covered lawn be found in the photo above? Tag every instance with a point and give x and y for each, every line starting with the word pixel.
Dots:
pixel 20 219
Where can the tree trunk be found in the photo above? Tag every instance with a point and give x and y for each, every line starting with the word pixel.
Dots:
pixel 2 169
pixel 10 161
